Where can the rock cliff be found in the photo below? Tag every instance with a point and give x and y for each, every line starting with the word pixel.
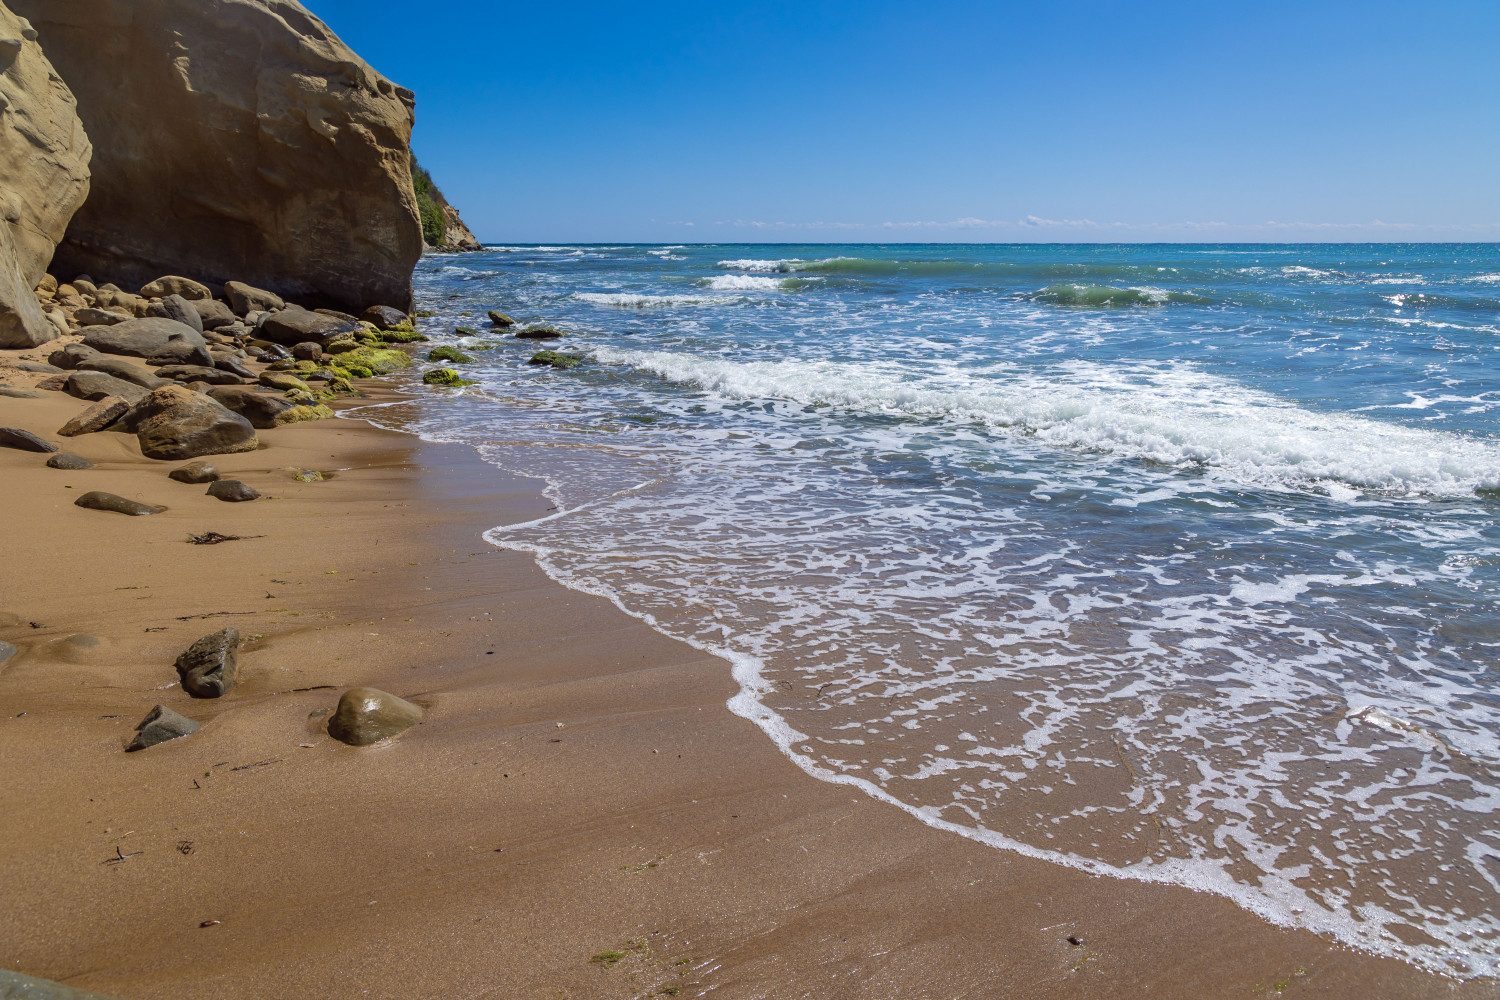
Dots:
pixel 235 140
pixel 44 176
pixel 442 227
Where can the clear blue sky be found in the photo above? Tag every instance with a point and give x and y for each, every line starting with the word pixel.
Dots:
pixel 922 120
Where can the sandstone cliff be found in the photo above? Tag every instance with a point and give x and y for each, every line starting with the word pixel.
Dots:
pixel 44 176
pixel 235 140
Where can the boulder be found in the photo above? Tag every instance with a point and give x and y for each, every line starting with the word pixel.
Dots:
pixel 195 473
pixel 283 381
pixel 207 666
pixel 307 351
pixel 23 440
pixel 97 417
pixel 238 139
pixel 35 367
pixel 555 359
pixel 498 318
pixel 160 725
pixel 539 333
pixel 245 299
pixel 99 500
pixel 176 307
pixel 99 385
pixel 69 463
pixel 153 337
pixel 260 408
pixel 44 177
pixel 232 491
pixel 445 376
pixel 172 284
pixel 213 314
pixel 174 422
pixel 122 370
pixel 71 355
pixel 368 715
pixel 14 393
pixel 232 365
pixel 198 373
pixel 294 325
pixel 386 317
pixel 100 317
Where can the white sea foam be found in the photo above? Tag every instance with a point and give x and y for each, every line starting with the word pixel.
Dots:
pixel 1173 415
pixel 635 300
pixel 750 283
pixel 777 266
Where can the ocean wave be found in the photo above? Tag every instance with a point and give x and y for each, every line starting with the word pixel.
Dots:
pixel 633 300
pixel 1110 297
pixel 1430 300
pixel 752 283
pixel 1173 416
pixel 775 266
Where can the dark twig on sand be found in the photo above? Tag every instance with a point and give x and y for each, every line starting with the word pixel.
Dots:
pixel 262 763
pixel 214 538
pixel 213 614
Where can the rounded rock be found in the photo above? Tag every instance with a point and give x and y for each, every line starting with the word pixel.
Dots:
pixel 69 463
pixel 368 715
pixel 232 491
pixel 195 473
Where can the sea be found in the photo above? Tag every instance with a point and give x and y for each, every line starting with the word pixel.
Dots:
pixel 1172 563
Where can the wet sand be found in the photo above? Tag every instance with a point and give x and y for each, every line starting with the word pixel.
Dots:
pixel 578 815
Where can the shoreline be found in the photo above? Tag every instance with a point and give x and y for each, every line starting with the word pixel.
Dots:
pixel 579 814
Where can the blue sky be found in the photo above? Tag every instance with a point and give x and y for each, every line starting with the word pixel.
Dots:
pixel 929 121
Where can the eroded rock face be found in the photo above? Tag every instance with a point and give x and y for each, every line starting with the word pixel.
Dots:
pixel 237 139
pixel 207 666
pixel 44 176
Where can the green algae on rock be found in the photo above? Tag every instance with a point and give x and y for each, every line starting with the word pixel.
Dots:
pixel 555 359
pixel 446 376
pixel 452 354
pixel 365 361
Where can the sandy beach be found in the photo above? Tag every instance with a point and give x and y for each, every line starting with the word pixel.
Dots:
pixel 578 815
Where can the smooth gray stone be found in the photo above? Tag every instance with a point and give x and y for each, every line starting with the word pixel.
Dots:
pixel 207 666
pixel 71 463
pixel 178 308
pixel 14 986
pixel 121 369
pixel 14 393
pixel 15 437
pixel 159 725
pixel 154 337
pixel 96 385
pixel 6 651
pixel 199 373
pixel 99 500
pixel 35 367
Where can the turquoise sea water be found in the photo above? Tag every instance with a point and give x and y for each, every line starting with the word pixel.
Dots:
pixel 1174 563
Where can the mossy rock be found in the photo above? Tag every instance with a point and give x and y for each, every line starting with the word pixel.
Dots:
pixel 446 376
pixel 424 314
pixel 499 318
pixel 555 359
pixel 540 333
pixel 367 361
pixel 452 354
pixel 399 336
pixel 285 380
pixel 466 331
pixel 344 346
pixel 304 412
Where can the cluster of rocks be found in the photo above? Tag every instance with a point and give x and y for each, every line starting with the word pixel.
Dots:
pixel 450 378
pixel 206 669
pixel 211 370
